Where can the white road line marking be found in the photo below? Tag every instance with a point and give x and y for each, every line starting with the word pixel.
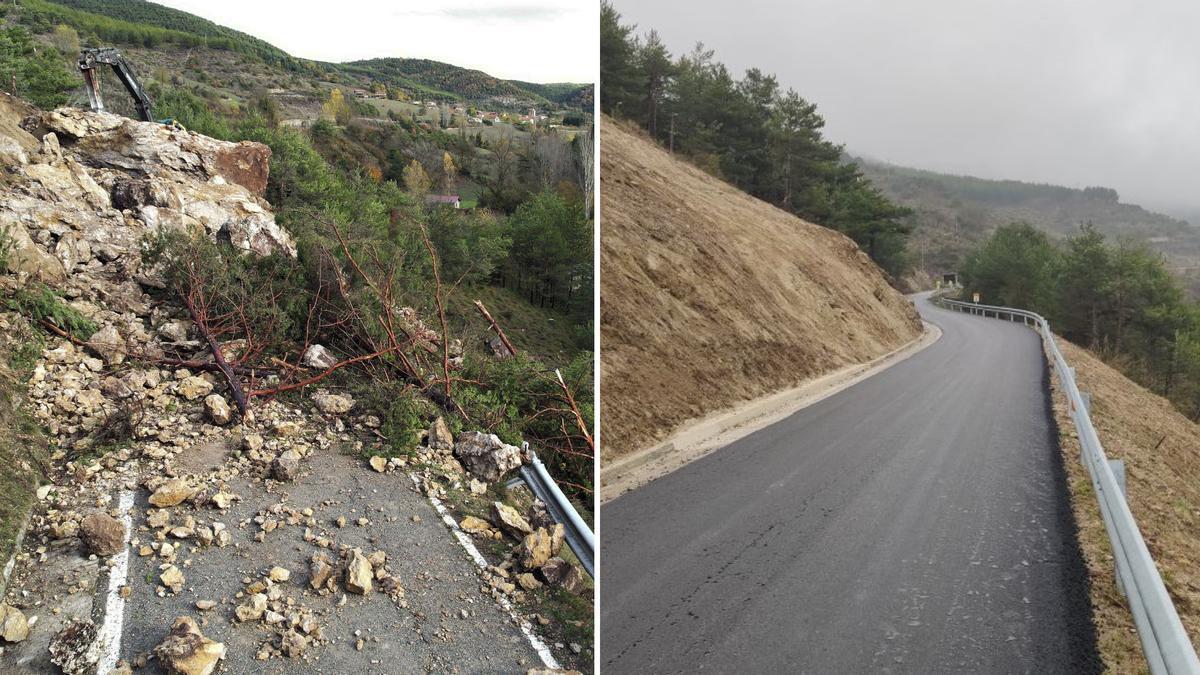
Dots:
pixel 114 608
pixel 464 540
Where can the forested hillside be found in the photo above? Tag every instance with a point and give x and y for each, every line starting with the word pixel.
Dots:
pixel 952 214
pixel 146 24
pixel 749 132
pixel 1117 298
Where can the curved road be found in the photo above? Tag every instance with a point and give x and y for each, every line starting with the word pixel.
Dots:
pixel 917 522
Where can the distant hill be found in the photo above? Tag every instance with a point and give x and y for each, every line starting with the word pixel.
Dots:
pixel 146 25
pixel 439 79
pixel 953 213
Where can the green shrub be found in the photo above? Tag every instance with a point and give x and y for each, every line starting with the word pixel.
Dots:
pixel 41 303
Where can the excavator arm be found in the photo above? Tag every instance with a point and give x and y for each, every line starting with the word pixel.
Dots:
pixel 90 58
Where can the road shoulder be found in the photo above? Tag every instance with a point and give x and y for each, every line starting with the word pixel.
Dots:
pixel 701 436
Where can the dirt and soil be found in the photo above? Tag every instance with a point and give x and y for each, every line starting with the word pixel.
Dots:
pixel 1161 449
pixel 710 297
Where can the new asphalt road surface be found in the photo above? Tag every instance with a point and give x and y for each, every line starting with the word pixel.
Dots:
pixel 917 522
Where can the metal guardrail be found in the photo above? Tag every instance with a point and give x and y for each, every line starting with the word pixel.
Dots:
pixel 1164 640
pixel 577 533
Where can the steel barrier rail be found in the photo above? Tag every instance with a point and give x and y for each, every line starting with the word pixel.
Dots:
pixel 1164 640
pixel 577 533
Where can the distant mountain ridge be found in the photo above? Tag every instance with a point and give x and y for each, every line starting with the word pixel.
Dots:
pixel 954 213
pixel 145 24
pixel 435 76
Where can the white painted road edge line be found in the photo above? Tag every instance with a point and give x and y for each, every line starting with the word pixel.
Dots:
pixel 114 608
pixel 464 540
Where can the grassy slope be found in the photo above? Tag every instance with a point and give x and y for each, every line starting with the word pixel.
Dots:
pixel 1161 449
pixel 23 448
pixel 543 333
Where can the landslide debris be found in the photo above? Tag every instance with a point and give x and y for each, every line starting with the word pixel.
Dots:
pixel 710 297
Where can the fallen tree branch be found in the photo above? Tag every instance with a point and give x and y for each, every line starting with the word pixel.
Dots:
pixel 235 385
pixel 587 436
pixel 496 327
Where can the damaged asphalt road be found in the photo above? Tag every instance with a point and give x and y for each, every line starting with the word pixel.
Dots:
pixel 917 522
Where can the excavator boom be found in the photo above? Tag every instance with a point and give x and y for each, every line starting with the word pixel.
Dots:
pixel 90 58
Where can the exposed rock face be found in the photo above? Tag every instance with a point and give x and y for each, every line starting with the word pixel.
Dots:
pixel 14 627
pixel 102 534
pixel 186 651
pixel 486 456
pixel 80 199
pixel 75 648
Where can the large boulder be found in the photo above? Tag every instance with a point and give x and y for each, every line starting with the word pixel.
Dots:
pixel 486 456
pixel 186 651
pixel 102 534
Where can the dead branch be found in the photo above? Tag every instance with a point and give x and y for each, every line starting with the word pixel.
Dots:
pixel 235 385
pixel 587 436
pixel 496 327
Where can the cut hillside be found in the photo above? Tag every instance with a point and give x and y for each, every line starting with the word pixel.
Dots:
pixel 710 297
pixel 1161 449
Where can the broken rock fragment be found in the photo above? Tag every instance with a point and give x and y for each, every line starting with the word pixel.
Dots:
pixel 333 404
pixel 14 627
pixel 172 578
pixel 508 519
pixel 486 456
pixel 561 574
pixel 217 409
pixel 358 573
pixel 171 493
pixel 320 571
pixel 75 648
pixel 286 466
pixel 186 651
pixel 534 550
pixel 317 356
pixel 440 437
pixel 252 609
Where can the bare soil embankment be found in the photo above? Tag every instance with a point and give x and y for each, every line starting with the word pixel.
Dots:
pixel 710 297
pixel 1161 449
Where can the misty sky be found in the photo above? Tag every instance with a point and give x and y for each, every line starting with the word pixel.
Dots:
pixel 531 40
pixel 1103 92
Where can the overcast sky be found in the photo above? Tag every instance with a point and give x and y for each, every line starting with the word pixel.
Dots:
pixel 531 40
pixel 1096 92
